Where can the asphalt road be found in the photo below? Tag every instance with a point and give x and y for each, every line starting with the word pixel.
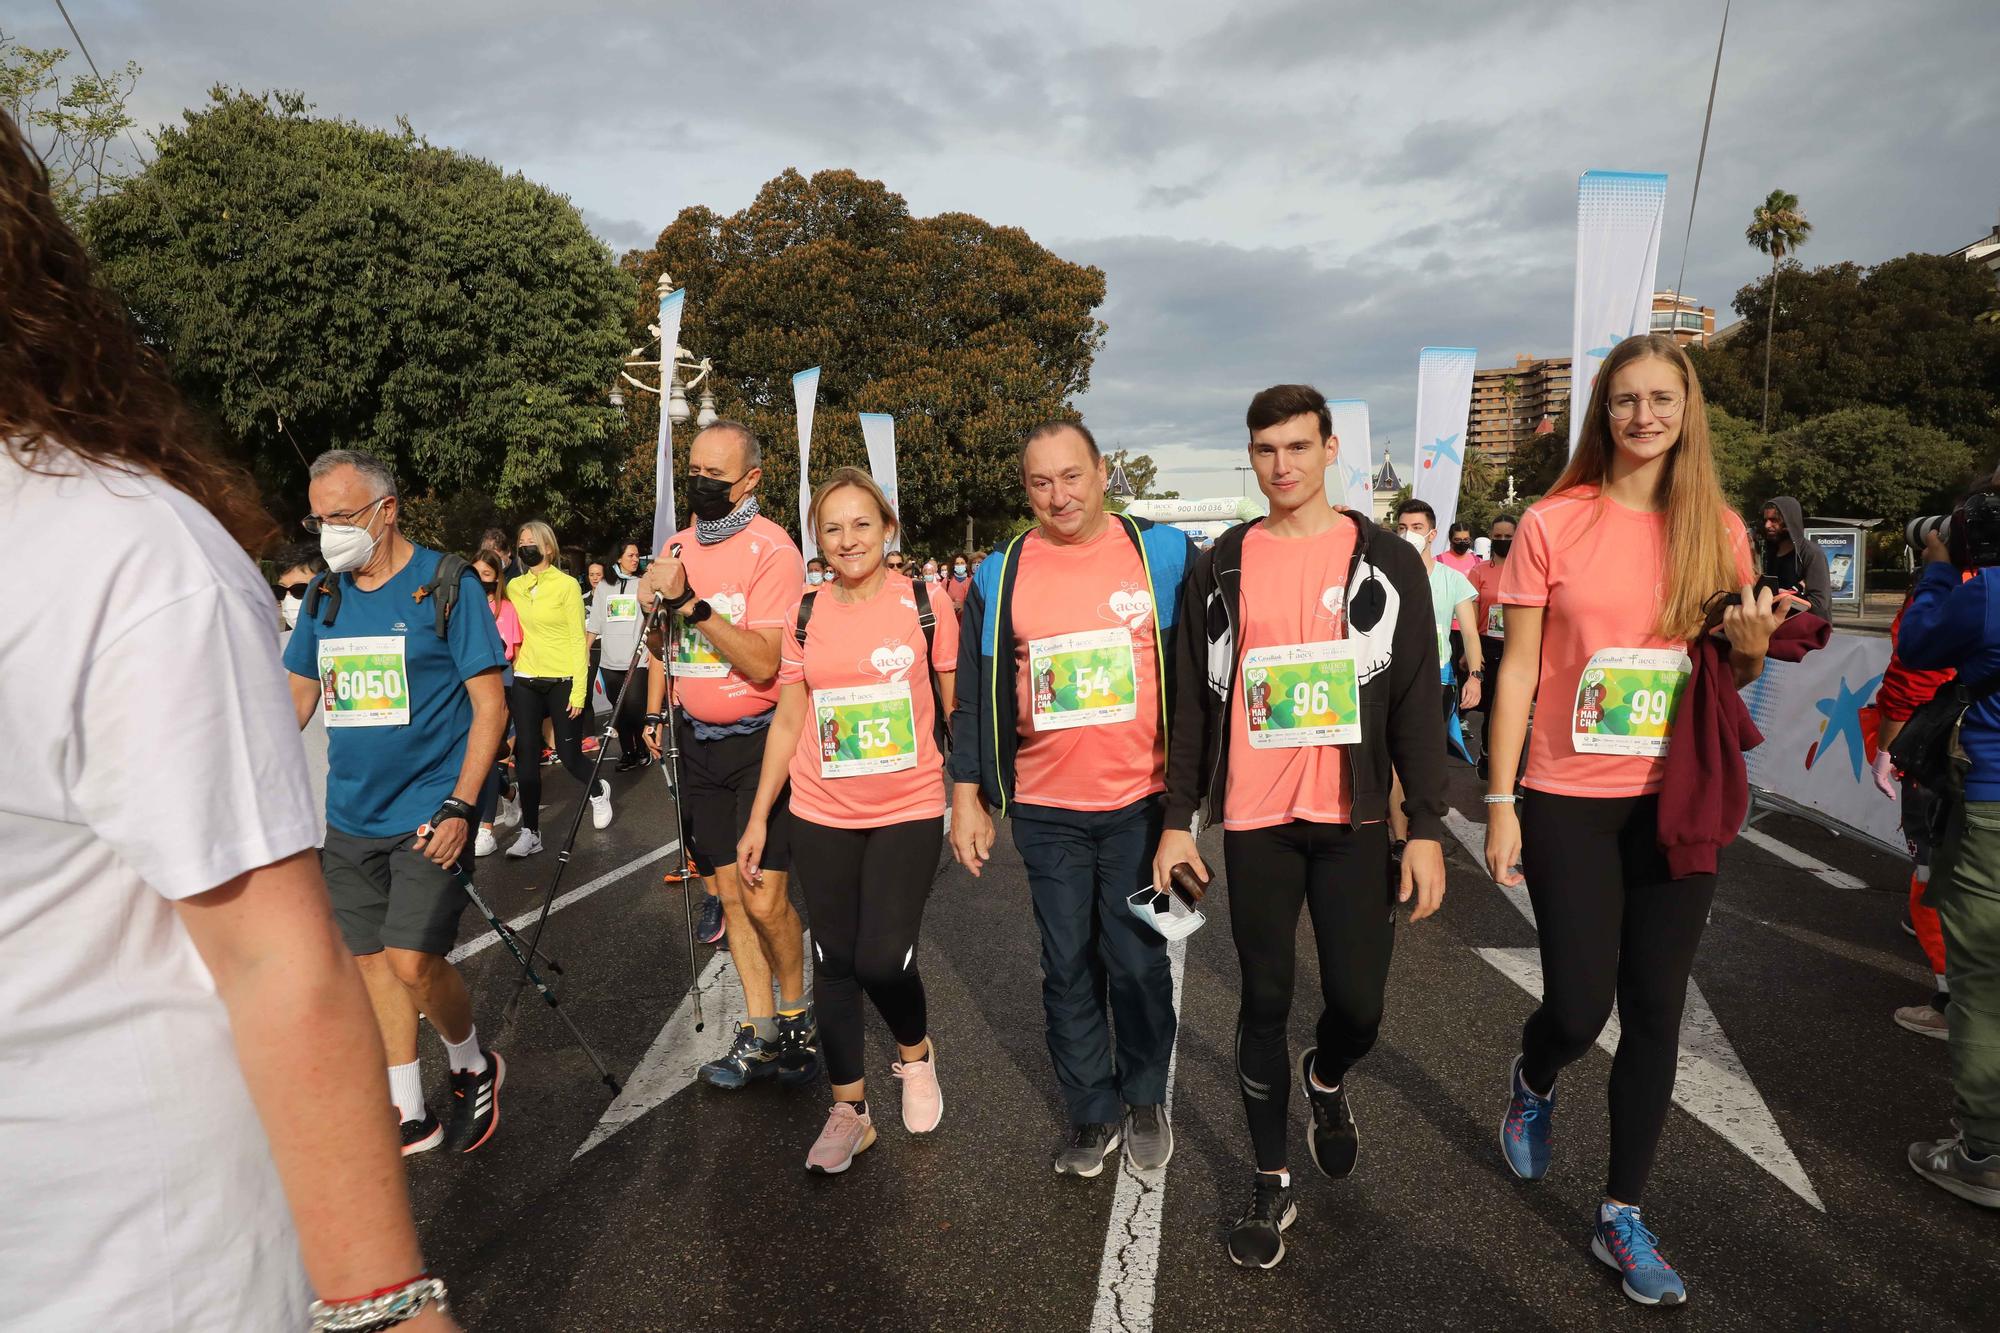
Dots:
pixel 1786 1202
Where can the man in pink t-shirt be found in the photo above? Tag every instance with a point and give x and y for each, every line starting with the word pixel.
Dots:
pixel 1061 723
pixel 732 579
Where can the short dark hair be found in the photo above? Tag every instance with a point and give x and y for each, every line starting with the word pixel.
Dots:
pixel 1282 402
pixel 1042 430
pixel 1503 518
pixel 1416 506
pixel 1465 528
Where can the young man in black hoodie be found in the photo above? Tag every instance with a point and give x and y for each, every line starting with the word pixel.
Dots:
pixel 1791 562
pixel 1308 669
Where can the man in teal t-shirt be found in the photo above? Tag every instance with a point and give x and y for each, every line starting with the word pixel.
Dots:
pixel 1452 595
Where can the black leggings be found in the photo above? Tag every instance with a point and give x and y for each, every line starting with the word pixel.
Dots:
pixel 865 891
pixel 631 719
pixel 1342 874
pixel 532 699
pixel 1613 925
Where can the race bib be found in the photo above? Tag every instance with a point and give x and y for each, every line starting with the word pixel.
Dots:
pixel 1496 622
pixel 1626 700
pixel 1302 694
pixel 364 682
pixel 1082 680
pixel 621 608
pixel 865 729
pixel 694 655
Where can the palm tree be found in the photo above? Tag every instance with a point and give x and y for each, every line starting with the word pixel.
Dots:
pixel 1777 228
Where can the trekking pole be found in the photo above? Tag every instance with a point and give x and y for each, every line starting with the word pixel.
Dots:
pixel 670 766
pixel 576 822
pixel 513 942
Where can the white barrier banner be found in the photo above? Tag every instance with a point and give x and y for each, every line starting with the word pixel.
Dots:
pixel 805 396
pixel 664 526
pixel 1351 481
pixel 1818 719
pixel 1618 217
pixel 1223 509
pixel 1444 405
pixel 878 431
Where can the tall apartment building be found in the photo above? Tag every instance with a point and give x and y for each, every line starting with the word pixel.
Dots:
pixel 1687 319
pixel 1510 403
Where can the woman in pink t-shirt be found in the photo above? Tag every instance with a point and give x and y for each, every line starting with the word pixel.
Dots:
pixel 1603 589
pixel 864 687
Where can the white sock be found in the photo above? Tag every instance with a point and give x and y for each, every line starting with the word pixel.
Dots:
pixel 465 1054
pixel 1607 1210
pixel 1284 1177
pixel 406 1089
pixel 1321 1087
pixel 1943 986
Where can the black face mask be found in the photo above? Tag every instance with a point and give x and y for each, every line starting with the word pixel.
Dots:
pixel 709 497
pixel 1460 548
pixel 1502 545
pixel 529 556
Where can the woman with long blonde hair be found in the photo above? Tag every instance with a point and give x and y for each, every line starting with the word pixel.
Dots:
pixel 1605 586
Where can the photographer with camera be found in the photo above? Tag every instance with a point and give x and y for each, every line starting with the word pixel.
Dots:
pixel 1953 621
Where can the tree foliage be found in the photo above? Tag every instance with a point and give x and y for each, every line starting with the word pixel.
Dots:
pixel 967 333
pixel 1905 334
pixel 73 123
pixel 1866 462
pixel 1141 471
pixel 369 290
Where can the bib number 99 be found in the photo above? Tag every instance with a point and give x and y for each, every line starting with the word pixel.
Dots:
pixel 1652 708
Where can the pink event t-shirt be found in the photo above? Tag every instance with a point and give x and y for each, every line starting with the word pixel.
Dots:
pixel 871 643
pixel 1486 582
pixel 1061 590
pixel 752 579
pixel 1599 570
pixel 1294 591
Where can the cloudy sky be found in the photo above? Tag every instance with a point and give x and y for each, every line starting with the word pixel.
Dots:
pixel 1288 189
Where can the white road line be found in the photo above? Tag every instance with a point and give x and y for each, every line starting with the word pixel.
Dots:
pixel 1812 865
pixel 483 942
pixel 1711 1085
pixel 1128 1274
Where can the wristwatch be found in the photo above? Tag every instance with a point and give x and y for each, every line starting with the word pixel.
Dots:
pixel 702 611
pixel 1477 675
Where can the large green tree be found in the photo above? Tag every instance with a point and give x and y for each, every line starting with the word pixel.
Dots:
pixel 1866 462
pixel 967 333
pixel 318 284
pixel 1905 334
pixel 1778 227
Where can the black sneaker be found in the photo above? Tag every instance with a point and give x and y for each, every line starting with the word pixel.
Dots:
pixel 709 926
pixel 1258 1238
pixel 1334 1138
pixel 422 1135
pixel 1083 1153
pixel 639 759
pixel 475 1105
pixel 748 1059
pixel 796 1049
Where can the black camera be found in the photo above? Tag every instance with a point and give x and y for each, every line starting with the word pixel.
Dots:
pixel 1971 533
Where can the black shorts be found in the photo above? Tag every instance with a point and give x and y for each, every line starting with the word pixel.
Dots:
pixel 385 895
pixel 718 787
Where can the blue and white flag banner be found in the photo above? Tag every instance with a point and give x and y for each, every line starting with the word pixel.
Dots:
pixel 1351 479
pixel 805 395
pixel 1444 404
pixel 1618 219
pixel 878 431
pixel 664 526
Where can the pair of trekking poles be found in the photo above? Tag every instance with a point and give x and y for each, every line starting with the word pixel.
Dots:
pixel 670 762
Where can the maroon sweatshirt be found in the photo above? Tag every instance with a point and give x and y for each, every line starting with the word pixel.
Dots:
pixel 1707 789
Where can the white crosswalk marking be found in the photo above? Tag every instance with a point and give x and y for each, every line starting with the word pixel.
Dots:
pixel 1812 865
pixel 1712 1085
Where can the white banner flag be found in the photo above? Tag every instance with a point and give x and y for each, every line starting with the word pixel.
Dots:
pixel 1351 479
pixel 1444 404
pixel 1618 218
pixel 664 526
pixel 878 431
pixel 805 395
pixel 1819 724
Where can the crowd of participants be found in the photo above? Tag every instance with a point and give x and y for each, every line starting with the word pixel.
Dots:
pixel 1096 681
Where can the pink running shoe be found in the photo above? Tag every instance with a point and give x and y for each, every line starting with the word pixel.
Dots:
pixel 923 1102
pixel 847 1132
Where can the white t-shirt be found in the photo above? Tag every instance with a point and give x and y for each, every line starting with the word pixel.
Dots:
pixel 151 754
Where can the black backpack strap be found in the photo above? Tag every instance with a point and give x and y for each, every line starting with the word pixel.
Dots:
pixel 805 615
pixel 927 621
pixel 443 589
pixel 324 588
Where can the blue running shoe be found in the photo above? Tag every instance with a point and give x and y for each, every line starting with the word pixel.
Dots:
pixel 748 1059
pixel 1622 1241
pixel 708 924
pixel 1525 1133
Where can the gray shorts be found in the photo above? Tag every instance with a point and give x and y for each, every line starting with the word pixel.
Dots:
pixel 386 895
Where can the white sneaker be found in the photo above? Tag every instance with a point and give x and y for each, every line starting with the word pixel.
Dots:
pixel 485 844
pixel 527 844
pixel 509 812
pixel 600 807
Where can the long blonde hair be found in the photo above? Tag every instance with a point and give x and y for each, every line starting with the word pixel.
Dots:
pixel 1700 555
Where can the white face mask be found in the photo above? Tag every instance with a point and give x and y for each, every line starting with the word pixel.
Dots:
pixel 1420 540
pixel 347 548
pixel 288 607
pixel 815 577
